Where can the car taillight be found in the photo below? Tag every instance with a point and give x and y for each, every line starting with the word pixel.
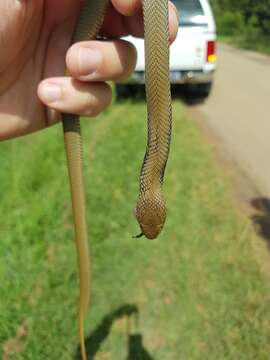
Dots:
pixel 211 52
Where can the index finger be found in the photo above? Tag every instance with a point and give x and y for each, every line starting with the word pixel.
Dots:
pixel 127 7
pixel 127 19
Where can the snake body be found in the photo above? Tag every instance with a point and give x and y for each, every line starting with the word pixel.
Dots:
pixel 150 210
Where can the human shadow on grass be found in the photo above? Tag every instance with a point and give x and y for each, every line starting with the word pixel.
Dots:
pixel 135 348
pixel 261 219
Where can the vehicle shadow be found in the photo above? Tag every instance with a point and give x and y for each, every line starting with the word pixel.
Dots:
pixel 135 348
pixel 261 219
pixel 179 92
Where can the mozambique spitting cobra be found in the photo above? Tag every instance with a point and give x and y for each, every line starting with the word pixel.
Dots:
pixel 150 209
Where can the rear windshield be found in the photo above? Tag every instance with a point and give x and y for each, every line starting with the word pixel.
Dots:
pixel 191 13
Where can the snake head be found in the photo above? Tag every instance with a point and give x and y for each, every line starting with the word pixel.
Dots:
pixel 151 231
pixel 151 216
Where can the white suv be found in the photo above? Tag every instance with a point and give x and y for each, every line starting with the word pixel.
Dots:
pixel 192 55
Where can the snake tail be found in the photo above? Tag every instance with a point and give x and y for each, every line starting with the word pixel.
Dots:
pixel 151 209
pixel 89 22
pixel 72 137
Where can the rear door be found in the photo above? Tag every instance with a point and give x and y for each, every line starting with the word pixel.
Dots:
pixel 188 52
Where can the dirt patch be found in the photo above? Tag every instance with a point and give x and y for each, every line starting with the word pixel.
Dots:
pixel 16 344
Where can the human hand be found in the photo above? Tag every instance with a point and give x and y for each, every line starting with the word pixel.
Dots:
pixel 35 37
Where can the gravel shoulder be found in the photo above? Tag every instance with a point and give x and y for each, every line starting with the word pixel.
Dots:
pixel 236 118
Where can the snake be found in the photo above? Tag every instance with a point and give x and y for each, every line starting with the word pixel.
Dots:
pixel 150 209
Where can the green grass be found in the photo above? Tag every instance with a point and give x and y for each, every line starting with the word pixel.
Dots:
pixel 198 292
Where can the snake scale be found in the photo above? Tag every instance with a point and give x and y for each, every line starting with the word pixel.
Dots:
pixel 150 209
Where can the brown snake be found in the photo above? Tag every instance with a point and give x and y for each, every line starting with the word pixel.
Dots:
pixel 150 210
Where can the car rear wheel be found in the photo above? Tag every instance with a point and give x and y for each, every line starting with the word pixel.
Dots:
pixel 124 91
pixel 199 90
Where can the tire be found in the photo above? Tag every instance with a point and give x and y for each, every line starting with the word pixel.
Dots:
pixel 124 91
pixel 204 89
pixel 201 91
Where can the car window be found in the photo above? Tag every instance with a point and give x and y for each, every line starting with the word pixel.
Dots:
pixel 191 13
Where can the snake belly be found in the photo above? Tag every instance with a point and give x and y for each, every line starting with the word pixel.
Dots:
pixel 150 210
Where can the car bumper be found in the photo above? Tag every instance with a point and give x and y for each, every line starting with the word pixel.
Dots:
pixel 177 77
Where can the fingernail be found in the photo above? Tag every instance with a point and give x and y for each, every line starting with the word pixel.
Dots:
pixel 89 60
pixel 51 92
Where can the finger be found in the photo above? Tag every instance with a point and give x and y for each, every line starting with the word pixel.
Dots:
pixel 99 61
pixel 174 17
pixel 127 7
pixel 133 24
pixel 71 96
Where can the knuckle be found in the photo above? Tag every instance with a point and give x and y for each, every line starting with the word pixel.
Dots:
pixel 72 59
pixel 128 59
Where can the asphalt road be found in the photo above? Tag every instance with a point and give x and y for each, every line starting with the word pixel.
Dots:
pixel 237 113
